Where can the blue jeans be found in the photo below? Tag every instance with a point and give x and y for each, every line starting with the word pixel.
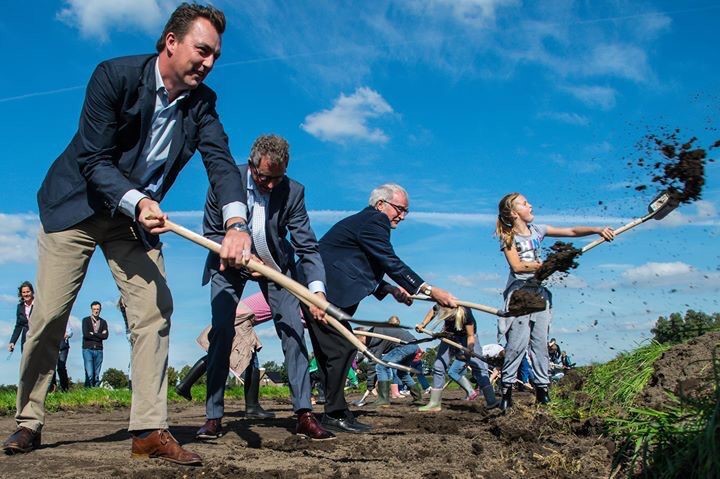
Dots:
pixel 418 365
pixel 402 355
pixel 93 359
pixel 442 364
pixel 525 373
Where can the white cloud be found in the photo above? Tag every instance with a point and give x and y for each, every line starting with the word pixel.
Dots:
pixel 565 117
pixel 9 298
pixel 348 118
pixel 95 18
pixel 6 328
pixel 651 271
pixel 676 275
pixel 475 13
pixel 17 240
pixel 594 96
pixel 617 60
pixel 473 279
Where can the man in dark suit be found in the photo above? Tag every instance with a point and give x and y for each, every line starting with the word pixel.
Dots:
pixel 94 331
pixel 276 206
pixel 142 120
pixel 357 253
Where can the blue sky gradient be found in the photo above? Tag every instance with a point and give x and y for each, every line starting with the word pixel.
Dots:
pixel 460 101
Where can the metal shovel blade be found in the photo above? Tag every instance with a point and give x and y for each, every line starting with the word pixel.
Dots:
pixel 663 204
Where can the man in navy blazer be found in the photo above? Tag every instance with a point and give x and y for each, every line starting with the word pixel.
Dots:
pixel 276 206
pixel 142 119
pixel 357 253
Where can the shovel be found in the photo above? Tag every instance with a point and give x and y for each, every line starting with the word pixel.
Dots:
pixel 296 289
pixel 520 311
pixel 659 208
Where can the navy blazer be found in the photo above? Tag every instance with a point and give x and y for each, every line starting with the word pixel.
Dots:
pixel 100 164
pixel 357 254
pixel 286 213
pixel 21 325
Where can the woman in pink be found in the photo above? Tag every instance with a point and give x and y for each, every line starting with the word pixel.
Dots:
pixel 243 356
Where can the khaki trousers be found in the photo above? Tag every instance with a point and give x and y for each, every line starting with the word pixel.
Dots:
pixel 63 259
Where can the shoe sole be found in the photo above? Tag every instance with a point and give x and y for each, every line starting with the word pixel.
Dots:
pixel 305 436
pixel 205 437
pixel 138 456
pixel 12 450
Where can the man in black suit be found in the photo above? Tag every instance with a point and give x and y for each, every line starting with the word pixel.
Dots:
pixel 143 118
pixel 276 206
pixel 357 253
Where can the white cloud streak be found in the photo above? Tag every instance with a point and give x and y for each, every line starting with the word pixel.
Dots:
pixel 348 118
pixel 97 18
pixel 17 238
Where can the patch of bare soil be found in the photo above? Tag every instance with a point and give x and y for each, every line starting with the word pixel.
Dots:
pixel 461 441
pixel 684 370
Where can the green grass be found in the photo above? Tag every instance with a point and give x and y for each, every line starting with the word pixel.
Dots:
pixel 680 440
pixel 81 398
pixel 609 389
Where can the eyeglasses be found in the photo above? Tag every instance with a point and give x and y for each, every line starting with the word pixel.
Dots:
pixel 265 178
pixel 401 210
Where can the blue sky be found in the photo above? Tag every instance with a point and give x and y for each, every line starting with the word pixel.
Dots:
pixel 460 101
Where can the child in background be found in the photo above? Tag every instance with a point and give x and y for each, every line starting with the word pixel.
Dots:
pixel 520 241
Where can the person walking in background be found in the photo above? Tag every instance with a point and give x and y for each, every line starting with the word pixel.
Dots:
pixel 520 240
pixel 143 118
pixel 95 331
pixel 62 362
pixel 26 293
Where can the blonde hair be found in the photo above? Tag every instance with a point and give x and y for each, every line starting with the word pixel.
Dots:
pixel 444 314
pixel 505 221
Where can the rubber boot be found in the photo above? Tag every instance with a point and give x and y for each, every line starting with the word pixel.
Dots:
pixel 435 403
pixel 183 389
pixel 394 391
pixel 383 389
pixel 417 394
pixel 542 395
pixel 253 409
pixel 491 401
pixel 464 383
pixel 506 401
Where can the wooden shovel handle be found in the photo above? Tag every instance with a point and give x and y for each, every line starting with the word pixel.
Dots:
pixel 467 304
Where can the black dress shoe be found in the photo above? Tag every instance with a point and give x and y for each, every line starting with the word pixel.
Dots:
pixel 22 440
pixel 342 424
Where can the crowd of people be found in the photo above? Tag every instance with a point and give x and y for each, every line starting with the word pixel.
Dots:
pixel 143 118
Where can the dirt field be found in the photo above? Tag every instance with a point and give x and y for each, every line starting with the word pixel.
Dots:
pixel 461 441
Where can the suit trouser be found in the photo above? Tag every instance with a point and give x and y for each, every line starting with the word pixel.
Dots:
pixel 63 259
pixel 528 333
pixel 225 291
pixel 334 355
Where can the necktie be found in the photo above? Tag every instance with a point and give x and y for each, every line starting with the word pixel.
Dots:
pixel 258 233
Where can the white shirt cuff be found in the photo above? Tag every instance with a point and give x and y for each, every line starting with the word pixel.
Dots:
pixel 129 202
pixel 317 287
pixel 234 209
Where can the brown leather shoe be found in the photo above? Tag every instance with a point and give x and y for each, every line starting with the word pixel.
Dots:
pixel 309 427
pixel 162 444
pixel 212 429
pixel 22 440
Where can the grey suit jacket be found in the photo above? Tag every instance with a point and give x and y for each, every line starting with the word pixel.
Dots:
pixel 286 213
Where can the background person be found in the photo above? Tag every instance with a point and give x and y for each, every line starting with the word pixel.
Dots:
pixel 95 331
pixel 26 293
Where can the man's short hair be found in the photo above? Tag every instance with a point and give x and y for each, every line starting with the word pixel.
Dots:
pixel 275 147
pixel 96 303
pixel 385 193
pixel 184 16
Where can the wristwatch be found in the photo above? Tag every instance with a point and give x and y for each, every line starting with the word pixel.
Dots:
pixel 239 226
pixel 426 289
